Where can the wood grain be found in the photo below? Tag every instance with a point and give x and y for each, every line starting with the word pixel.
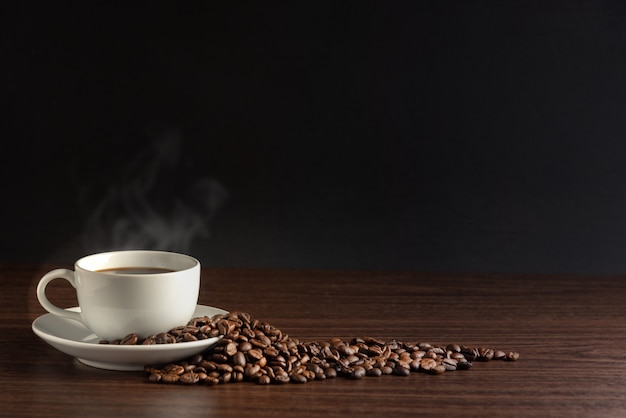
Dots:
pixel 570 332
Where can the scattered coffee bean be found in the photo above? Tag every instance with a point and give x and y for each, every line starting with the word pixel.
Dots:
pixel 499 355
pixel 254 351
pixel 485 354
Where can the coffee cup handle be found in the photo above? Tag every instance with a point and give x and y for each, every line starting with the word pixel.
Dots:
pixel 43 299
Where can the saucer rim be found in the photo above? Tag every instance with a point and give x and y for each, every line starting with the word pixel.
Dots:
pixel 39 331
pixel 118 357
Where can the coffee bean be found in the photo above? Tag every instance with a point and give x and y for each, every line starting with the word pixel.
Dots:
pixel 485 354
pixel 255 354
pixel 219 358
pixel 271 352
pixel 188 367
pixel 314 368
pixel 439 369
pixel 264 380
pixel 455 348
pixel 265 339
pixel 375 372
pixel 244 316
pixel 211 381
pixel 401 371
pixel 252 370
pixel 499 355
pixel 239 358
pixel 387 370
pixel 449 363
pixel 130 339
pixel 170 378
pixel 464 365
pixel 224 367
pixel 244 346
pixel 298 378
pixel 438 350
pixel 262 361
pixel 189 337
pixel 208 365
pixel 164 338
pixel 470 353
pixel 427 364
pixel 357 373
pixel 189 378
pixel 283 378
pixel 230 349
pixel 225 378
pixel 176 369
pixel 222 327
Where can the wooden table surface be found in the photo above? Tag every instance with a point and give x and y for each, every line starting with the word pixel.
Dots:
pixel 570 332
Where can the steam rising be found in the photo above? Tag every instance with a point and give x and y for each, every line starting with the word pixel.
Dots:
pixel 154 206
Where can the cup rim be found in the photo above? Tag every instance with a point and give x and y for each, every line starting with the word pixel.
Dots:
pixel 80 264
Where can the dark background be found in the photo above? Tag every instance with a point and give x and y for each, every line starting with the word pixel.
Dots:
pixel 454 136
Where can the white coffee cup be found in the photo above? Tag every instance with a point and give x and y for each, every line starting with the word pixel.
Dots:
pixel 122 292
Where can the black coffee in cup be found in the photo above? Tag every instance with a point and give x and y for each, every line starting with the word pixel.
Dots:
pixel 135 270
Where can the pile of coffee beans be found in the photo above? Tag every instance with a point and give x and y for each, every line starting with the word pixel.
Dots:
pixel 258 352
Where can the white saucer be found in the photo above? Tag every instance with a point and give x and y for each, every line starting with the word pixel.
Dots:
pixel 73 338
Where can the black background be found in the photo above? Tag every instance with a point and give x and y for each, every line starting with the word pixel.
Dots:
pixel 454 136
